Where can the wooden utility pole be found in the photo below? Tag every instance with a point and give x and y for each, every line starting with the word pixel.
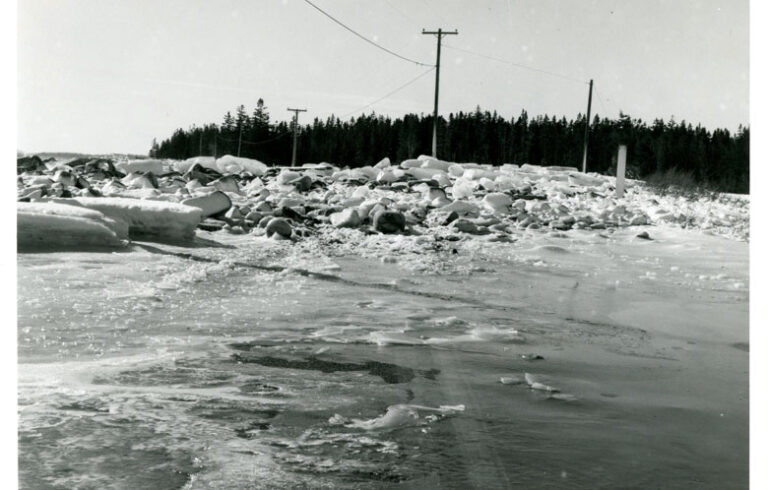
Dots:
pixel 200 151
pixel 239 140
pixel 440 33
pixel 295 132
pixel 586 128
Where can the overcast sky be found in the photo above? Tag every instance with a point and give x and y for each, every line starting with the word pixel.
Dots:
pixel 96 76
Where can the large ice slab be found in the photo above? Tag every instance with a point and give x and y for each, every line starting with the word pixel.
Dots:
pixel 145 217
pixel 49 225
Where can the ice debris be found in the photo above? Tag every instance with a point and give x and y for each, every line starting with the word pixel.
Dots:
pixel 417 197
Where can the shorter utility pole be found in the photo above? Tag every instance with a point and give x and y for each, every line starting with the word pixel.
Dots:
pixel 215 141
pixel 440 33
pixel 586 128
pixel 295 132
pixel 200 151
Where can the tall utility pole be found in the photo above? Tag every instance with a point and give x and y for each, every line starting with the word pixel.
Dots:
pixel 440 33
pixel 295 132
pixel 586 128
pixel 239 140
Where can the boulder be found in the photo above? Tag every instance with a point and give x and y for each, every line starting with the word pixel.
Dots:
pixel 279 226
pixel 389 221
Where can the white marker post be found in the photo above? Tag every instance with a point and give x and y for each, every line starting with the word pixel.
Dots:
pixel 621 168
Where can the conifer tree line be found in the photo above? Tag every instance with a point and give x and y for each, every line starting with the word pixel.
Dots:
pixel 717 159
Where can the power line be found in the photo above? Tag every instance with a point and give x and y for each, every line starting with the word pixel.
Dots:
pixel 519 65
pixel 401 87
pixel 600 99
pixel 363 37
pixel 406 17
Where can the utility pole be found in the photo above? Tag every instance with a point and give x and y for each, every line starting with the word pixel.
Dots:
pixel 295 132
pixel 239 140
pixel 440 33
pixel 200 151
pixel 586 129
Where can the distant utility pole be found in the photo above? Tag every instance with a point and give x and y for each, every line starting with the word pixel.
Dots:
pixel 295 132
pixel 440 33
pixel 200 151
pixel 586 129
pixel 239 140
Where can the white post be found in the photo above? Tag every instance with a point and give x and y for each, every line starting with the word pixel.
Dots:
pixel 621 168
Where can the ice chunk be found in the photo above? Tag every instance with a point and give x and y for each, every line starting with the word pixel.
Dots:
pixel 52 225
pixel 149 165
pixel 229 164
pixel 214 203
pixel 184 165
pixel 462 188
pixel 535 384
pixel 498 202
pixel 144 217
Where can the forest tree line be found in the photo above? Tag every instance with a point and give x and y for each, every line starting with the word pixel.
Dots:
pixel 716 159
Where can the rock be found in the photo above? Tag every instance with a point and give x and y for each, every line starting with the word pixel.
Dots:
pixel 383 163
pixel 644 235
pixel 279 226
pixel 561 225
pixel 389 222
pixel 30 164
pixel 465 226
pixel 234 214
pixel 303 183
pixel 347 218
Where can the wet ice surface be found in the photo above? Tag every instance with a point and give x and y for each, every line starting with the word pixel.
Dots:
pixel 563 360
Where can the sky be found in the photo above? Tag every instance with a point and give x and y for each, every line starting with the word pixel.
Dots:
pixel 103 77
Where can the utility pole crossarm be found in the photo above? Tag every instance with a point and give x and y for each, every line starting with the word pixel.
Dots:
pixel 439 33
pixel 295 132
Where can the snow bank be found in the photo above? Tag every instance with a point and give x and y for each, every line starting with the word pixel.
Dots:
pixel 48 225
pixel 144 217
